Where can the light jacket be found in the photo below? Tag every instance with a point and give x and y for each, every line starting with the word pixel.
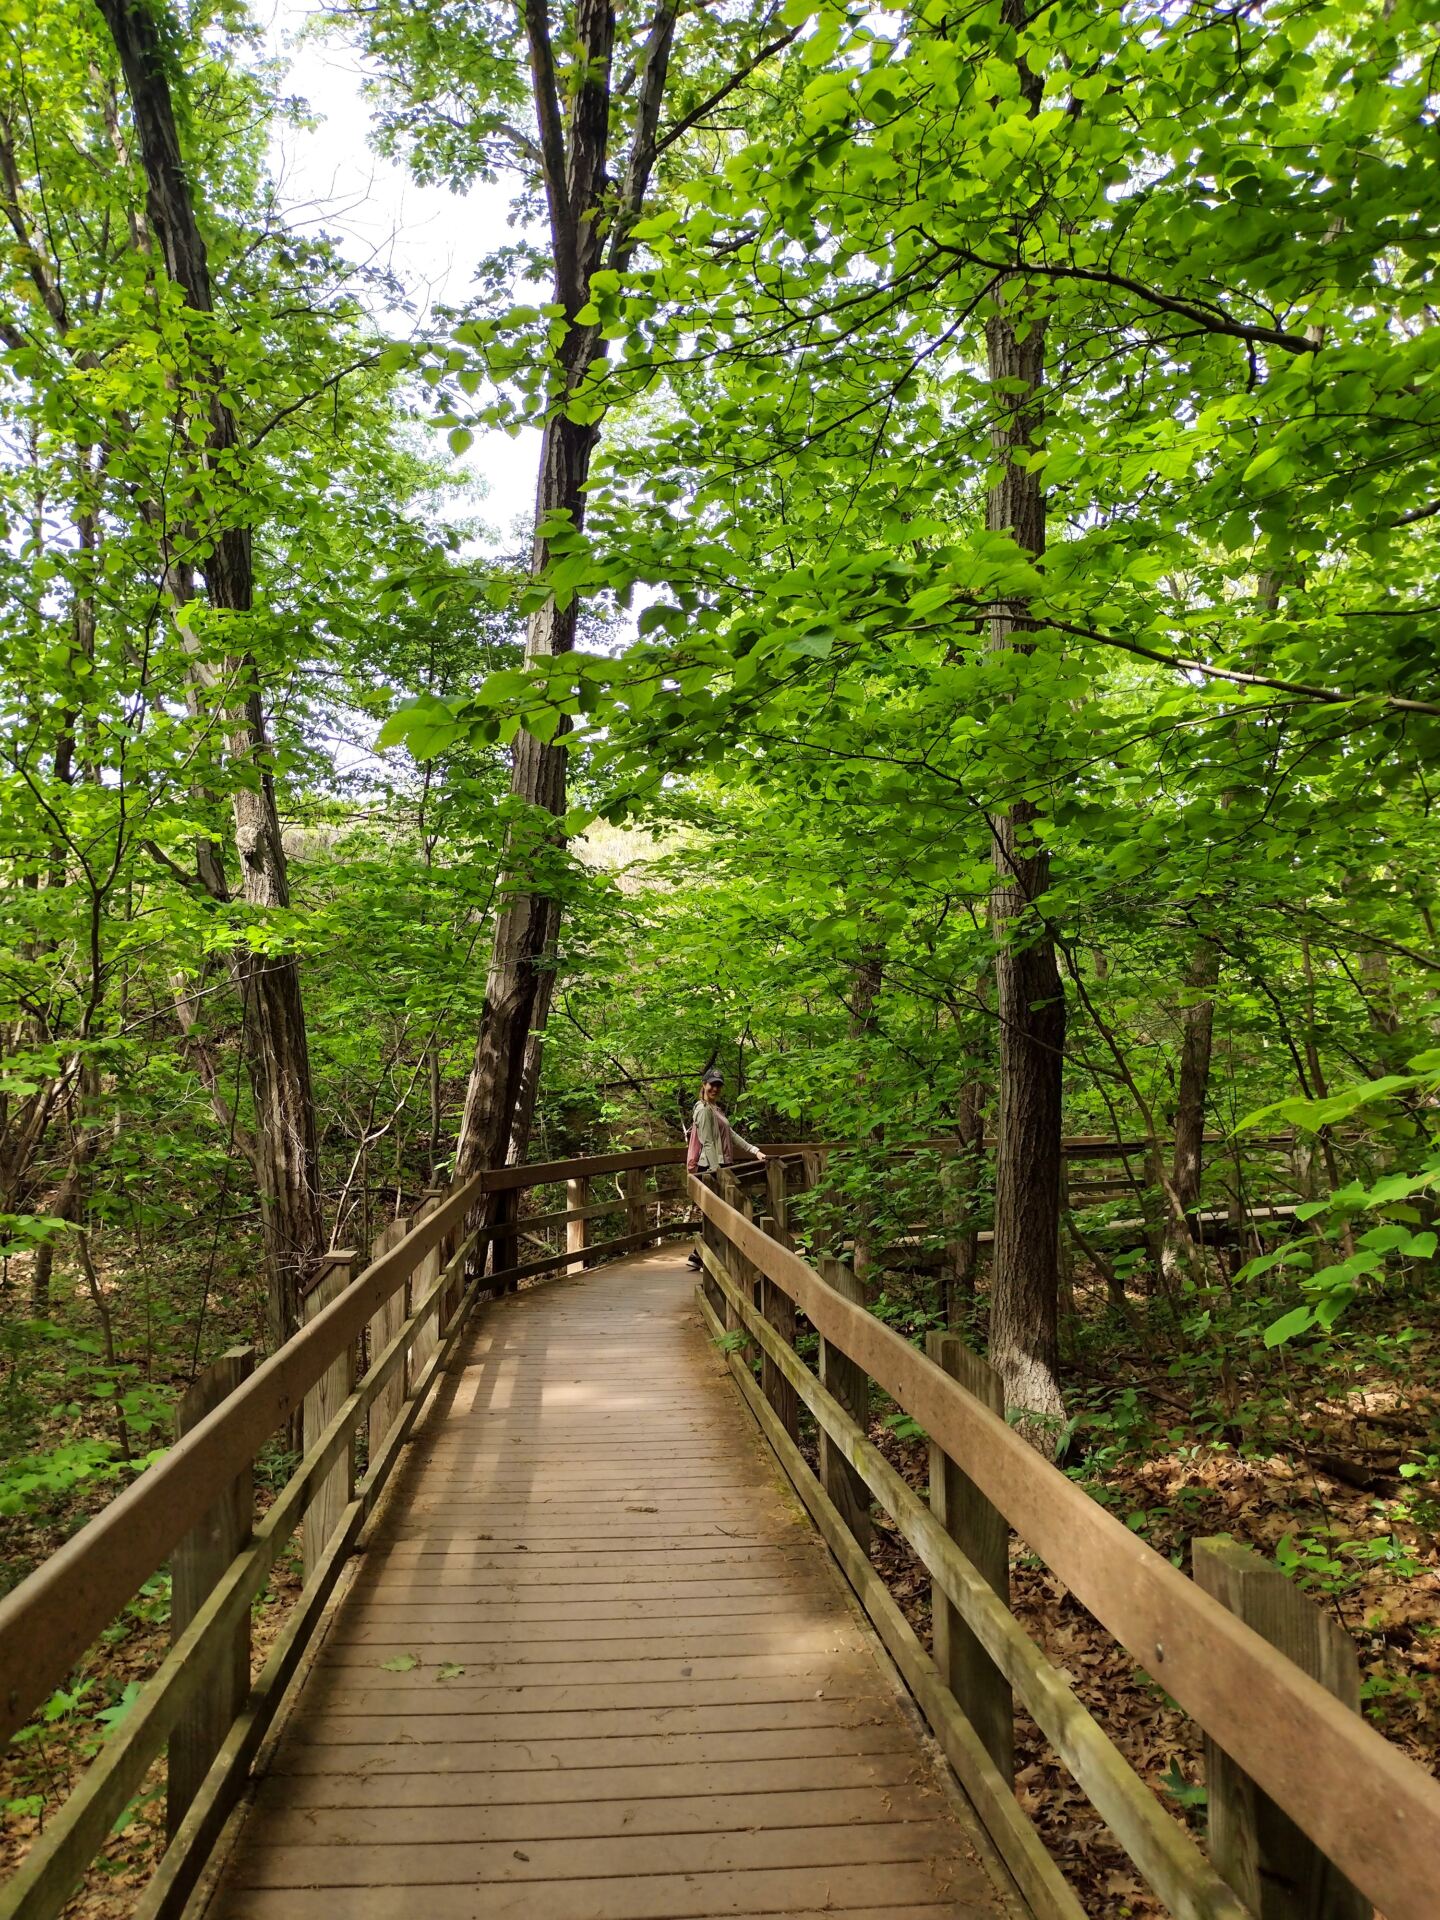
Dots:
pixel 713 1141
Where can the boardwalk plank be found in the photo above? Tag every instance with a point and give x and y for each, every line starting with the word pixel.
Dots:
pixel 596 1665
pixel 553 1786
pixel 715 1897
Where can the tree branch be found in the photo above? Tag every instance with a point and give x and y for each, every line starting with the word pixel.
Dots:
pixel 1330 696
pixel 654 69
pixel 737 79
pixel 552 131
pixel 1204 313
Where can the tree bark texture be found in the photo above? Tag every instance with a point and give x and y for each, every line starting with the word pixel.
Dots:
pixel 528 1096
pixel 1024 1334
pixel 1197 1029
pixel 275 1045
pixel 575 154
pixel 865 985
pixel 962 1180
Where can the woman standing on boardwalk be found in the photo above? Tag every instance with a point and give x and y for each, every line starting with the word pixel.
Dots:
pixel 713 1142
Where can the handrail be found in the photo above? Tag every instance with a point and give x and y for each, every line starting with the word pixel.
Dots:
pixel 55 1615
pixel 1302 1747
pixel 49 1620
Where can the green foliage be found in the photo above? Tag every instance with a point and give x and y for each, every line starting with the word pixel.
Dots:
pixel 788 736
pixel 1399 1108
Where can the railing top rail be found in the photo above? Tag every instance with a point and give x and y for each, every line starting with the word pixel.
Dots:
pixel 1306 1750
pixel 49 1620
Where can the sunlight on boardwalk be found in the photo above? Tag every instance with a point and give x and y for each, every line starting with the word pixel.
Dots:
pixel 597 1666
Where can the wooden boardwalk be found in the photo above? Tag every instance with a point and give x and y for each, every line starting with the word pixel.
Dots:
pixel 597 1665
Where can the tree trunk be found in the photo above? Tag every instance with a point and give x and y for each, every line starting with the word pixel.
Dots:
pixel 526 928
pixel 1197 1023
pixel 529 1094
pixel 575 153
pixel 961 1180
pixel 275 1046
pixel 865 987
pixel 1024 1334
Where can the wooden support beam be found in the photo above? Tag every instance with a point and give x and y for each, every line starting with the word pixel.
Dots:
pixel 778 1202
pixel 419 1285
pixel 632 1186
pixel 505 1241
pixel 779 1309
pixel 577 1226
pixel 384 1325
pixel 738 1267
pixel 322 1403
pixel 1262 1853
pixel 850 1385
pixel 199 1561
pixel 982 1534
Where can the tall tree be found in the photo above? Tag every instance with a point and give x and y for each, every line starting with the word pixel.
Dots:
pixel 275 1044
pixel 1024 1327
pixel 1024 1335
pixel 593 82
pixel 590 223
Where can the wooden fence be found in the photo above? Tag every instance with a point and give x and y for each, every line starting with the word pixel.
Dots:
pixel 195 1509
pixel 1313 1815
pixel 361 1369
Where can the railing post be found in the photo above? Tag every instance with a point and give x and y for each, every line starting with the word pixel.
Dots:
pixel 322 1403
pixel 385 1323
pixel 505 1237
pixel 632 1185
pixel 778 1200
pixel 427 1272
pixel 736 1265
pixel 450 1302
pixel 1273 1867
pixel 710 1236
pixel 577 1232
pixel 850 1385
pixel 199 1560
pixel 779 1309
pixel 982 1534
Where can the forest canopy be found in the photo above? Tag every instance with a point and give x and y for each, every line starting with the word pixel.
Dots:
pixel 970 672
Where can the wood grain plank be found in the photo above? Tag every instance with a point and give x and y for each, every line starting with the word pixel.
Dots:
pixel 778 1809
pixel 596 1665
pixel 490 1864
pixel 867 1895
pixel 555 1786
pixel 491 1752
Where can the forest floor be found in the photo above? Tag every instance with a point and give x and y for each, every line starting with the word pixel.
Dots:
pixel 1324 1457
pixel 82 1406
pixel 1326 1460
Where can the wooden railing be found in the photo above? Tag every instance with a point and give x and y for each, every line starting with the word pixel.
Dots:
pixel 195 1509
pixel 1313 1815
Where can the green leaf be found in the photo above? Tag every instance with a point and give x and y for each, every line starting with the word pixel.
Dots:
pixel 1262 463
pixel 1288 1326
